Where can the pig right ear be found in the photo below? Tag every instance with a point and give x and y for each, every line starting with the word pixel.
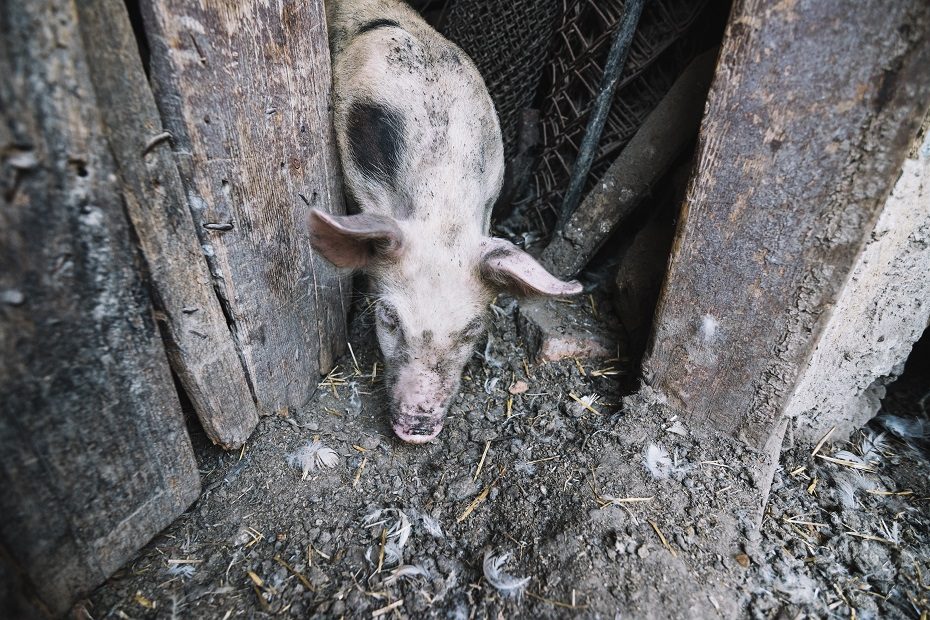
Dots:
pixel 354 241
pixel 506 266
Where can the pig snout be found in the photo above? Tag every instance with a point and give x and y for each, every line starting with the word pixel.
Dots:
pixel 419 402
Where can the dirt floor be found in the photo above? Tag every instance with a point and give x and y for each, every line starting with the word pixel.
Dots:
pixel 533 504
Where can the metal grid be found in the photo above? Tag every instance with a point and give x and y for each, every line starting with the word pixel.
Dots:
pixel 550 54
pixel 661 49
pixel 509 42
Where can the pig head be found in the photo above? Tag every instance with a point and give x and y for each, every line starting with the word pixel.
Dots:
pixel 422 156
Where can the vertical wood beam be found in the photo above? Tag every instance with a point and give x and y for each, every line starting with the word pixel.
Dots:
pixel 94 456
pixel 244 89
pixel 198 340
pixel 811 113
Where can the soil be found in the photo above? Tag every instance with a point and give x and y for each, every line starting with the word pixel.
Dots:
pixel 560 486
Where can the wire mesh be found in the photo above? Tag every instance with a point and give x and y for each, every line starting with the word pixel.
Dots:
pixel 660 51
pixel 550 55
pixel 509 42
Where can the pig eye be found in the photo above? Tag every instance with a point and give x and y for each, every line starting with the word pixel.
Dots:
pixel 387 317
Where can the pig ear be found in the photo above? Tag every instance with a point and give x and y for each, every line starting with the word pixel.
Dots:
pixel 505 265
pixel 354 241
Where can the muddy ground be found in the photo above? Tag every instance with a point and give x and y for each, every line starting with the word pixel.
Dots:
pixel 560 488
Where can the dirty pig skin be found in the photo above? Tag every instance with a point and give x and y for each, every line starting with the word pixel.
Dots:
pixel 422 156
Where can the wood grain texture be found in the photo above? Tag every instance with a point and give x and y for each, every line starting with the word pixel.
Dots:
pixel 198 340
pixel 811 113
pixel 244 88
pixel 94 456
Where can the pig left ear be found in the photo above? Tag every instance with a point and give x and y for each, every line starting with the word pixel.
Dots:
pixel 505 265
pixel 354 241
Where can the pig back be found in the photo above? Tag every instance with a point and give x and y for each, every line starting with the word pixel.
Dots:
pixel 417 130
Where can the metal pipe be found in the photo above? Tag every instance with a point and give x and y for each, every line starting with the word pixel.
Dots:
pixel 616 59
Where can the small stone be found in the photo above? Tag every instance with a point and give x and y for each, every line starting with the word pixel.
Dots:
pixel 463 488
pixel 742 559
pixel 519 387
pixel 555 331
pixel 241 537
pixel 642 552
pixel 12 297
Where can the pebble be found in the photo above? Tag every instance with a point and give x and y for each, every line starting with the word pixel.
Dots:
pixel 463 488
pixel 12 297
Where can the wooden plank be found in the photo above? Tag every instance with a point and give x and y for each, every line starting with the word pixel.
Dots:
pixel 813 108
pixel 198 340
pixel 94 456
pixel 244 89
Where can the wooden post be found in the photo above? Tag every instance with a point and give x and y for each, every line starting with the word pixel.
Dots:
pixel 94 456
pixel 198 340
pixel 811 113
pixel 244 89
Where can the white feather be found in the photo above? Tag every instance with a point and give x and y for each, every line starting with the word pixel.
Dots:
pixel 507 585
pixel 398 532
pixel 184 571
pixel 658 462
pixel 405 571
pixel 432 526
pixel 355 401
pixel 489 355
pixel 872 446
pixel 578 408
pixel 846 489
pixel 313 456
pixel 916 428
pixel 709 328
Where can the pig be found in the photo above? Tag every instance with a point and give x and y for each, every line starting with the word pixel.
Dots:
pixel 422 157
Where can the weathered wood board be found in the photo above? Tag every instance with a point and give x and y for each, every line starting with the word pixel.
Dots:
pixel 244 89
pixel 94 456
pixel 881 312
pixel 811 113
pixel 198 340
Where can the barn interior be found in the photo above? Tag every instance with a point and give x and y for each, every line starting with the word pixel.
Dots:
pixel 582 470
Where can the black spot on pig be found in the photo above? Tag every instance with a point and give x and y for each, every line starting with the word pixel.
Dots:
pixel 377 23
pixel 376 141
pixel 498 253
pixel 450 55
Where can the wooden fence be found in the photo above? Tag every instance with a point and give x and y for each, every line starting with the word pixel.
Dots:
pixel 150 226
